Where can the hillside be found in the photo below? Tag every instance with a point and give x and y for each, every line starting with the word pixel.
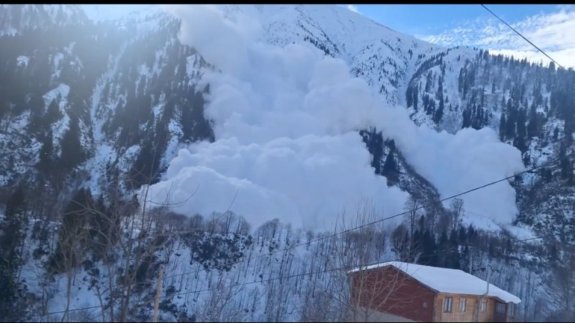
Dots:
pixel 217 142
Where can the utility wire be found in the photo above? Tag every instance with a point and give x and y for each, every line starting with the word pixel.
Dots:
pixel 530 170
pixel 447 250
pixel 521 35
pixel 325 237
pixel 379 220
pixel 450 197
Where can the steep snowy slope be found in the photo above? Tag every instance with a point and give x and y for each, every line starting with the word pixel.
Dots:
pixel 15 19
pixel 297 113
pixel 383 57
pixel 305 92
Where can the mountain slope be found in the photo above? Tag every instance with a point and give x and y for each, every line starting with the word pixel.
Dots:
pixel 289 112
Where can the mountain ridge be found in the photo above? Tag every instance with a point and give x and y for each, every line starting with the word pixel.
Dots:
pixel 109 107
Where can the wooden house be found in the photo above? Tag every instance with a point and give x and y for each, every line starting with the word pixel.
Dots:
pixel 423 293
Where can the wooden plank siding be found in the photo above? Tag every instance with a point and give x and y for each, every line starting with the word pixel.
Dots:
pixel 393 293
pixel 489 315
pixel 389 290
pixel 455 315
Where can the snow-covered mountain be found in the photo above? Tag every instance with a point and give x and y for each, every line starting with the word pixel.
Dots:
pixel 246 114
pixel 16 19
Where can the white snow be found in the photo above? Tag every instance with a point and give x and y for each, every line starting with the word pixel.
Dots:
pixel 68 49
pixel 56 63
pixel 59 128
pixel 445 280
pixel 287 145
pixel 308 181
pixel 101 110
pixel 61 90
pixel 128 158
pixel 173 145
pixel 113 12
pixel 521 232
pixel 18 149
pixel 22 60
pixel 9 31
pixel 286 119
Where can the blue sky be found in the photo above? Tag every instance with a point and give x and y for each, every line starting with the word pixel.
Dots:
pixel 430 19
pixel 548 26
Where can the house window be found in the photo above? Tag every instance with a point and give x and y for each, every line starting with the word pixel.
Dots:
pixel 462 304
pixel 483 305
pixel 447 304
pixel 500 308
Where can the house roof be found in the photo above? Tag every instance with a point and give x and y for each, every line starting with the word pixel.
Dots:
pixel 446 280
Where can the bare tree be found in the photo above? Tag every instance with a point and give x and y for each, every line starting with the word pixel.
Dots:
pixel 374 292
pixel 339 295
pixel 72 242
pixel 128 237
pixel 412 206
pixel 563 279
pixel 458 212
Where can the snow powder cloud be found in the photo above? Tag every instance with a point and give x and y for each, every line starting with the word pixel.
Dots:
pixel 286 140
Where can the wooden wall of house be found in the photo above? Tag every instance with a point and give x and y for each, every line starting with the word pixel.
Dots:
pixel 455 315
pixel 469 315
pixel 369 315
pixel 389 290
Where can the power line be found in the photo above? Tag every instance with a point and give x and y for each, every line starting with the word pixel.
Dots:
pixel 547 164
pixel 532 169
pixel 363 225
pixel 521 35
pixel 447 250
pixel 444 199
pixel 232 286
pixel 338 233
pixel 373 222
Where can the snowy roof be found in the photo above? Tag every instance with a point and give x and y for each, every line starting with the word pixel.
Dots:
pixel 445 280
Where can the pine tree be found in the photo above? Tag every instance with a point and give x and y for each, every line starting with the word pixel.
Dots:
pixel 194 124
pixel 454 257
pixel 502 127
pixel 511 120
pixel 566 166
pixel 415 97
pixel 429 249
pixel 533 125
pixel 374 142
pixel 46 152
pixel 438 114
pixel 443 244
pixel 53 113
pixel 390 168
pixel 11 238
pixel 70 245
pixel 519 142
pixel 466 119
pixel 72 150
pixel 521 129
pixel 428 82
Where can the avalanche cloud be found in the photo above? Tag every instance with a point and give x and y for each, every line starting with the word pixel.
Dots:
pixel 287 146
